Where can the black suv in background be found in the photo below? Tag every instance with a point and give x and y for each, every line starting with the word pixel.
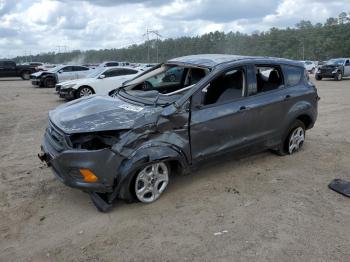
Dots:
pixel 9 68
pixel 335 68
pixel 126 146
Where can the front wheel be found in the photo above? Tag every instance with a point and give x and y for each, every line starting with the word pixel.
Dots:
pixel 49 82
pixel 84 91
pixel 294 140
pixel 338 76
pixel 151 181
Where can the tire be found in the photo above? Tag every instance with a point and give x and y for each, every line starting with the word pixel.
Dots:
pixel 25 75
pixel 49 82
pixel 294 139
pixel 84 91
pixel 318 77
pixel 151 181
pixel 338 76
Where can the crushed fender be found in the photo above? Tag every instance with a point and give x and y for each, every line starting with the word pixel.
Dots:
pixel 340 186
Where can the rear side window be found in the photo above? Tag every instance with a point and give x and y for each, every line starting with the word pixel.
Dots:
pixel 129 72
pixel 80 68
pixel 293 75
pixel 112 64
pixel 114 72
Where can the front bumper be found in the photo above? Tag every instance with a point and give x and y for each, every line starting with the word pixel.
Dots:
pixel 326 75
pixel 36 82
pixel 67 93
pixel 65 165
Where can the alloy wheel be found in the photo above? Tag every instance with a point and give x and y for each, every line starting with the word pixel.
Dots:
pixel 296 140
pixel 151 182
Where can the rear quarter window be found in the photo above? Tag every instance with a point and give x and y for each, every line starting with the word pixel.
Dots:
pixel 293 75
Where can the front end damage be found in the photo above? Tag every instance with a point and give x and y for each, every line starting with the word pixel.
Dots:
pixel 102 158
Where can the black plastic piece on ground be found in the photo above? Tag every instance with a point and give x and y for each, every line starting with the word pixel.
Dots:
pixel 340 186
pixel 101 204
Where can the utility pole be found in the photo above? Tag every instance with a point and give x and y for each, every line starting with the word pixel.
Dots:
pixel 156 33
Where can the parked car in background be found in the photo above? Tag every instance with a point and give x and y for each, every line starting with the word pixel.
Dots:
pixel 310 66
pixel 9 68
pixel 45 67
pixel 58 74
pixel 336 68
pixel 100 82
pixel 113 63
pixel 128 145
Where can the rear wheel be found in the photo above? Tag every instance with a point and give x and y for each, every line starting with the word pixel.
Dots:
pixel 294 140
pixel 25 75
pixel 318 77
pixel 151 181
pixel 85 91
pixel 49 82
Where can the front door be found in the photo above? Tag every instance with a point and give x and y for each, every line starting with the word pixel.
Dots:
pixel 347 68
pixel 220 121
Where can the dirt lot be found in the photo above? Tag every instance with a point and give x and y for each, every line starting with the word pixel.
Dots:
pixel 260 208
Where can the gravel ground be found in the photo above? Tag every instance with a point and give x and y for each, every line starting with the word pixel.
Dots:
pixel 258 208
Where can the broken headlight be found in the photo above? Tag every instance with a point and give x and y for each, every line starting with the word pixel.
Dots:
pixel 95 140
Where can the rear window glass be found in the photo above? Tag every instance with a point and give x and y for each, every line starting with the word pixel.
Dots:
pixel 293 75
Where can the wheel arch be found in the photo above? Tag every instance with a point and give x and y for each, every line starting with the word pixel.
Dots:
pixel 177 161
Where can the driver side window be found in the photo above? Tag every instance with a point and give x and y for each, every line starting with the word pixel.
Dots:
pixel 227 87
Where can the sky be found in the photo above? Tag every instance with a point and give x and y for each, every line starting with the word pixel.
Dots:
pixel 35 26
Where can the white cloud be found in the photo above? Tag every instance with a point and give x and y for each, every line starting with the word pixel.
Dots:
pixel 42 25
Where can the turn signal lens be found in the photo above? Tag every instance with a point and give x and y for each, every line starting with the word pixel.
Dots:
pixel 88 175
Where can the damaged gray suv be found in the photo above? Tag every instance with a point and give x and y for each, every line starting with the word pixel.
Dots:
pixel 126 146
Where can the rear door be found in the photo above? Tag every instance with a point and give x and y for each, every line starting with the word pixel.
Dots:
pixel 80 71
pixel 266 100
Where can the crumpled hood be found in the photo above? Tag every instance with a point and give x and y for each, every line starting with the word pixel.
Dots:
pixel 99 113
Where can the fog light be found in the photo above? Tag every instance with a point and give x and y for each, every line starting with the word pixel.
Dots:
pixel 88 175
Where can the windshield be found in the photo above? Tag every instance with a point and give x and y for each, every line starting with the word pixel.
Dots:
pixel 163 82
pixel 96 72
pixel 336 62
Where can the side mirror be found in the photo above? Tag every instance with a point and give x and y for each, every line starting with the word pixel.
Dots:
pixel 60 72
pixel 102 76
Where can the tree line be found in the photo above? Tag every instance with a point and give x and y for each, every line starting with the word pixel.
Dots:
pixel 305 41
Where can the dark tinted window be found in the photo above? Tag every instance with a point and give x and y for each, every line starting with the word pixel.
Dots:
pixel 67 69
pixel 112 64
pixel 113 72
pixel 293 75
pixel 129 72
pixel 80 68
